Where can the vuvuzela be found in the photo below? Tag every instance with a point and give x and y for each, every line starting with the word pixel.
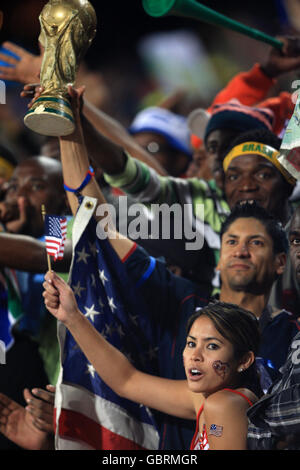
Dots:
pixel 193 9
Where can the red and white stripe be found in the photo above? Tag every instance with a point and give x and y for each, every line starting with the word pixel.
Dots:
pixel 87 422
pixel 55 246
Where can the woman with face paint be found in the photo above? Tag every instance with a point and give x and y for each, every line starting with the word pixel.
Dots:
pixel 219 360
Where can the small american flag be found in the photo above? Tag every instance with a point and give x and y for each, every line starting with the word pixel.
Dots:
pixel 55 235
pixel 215 430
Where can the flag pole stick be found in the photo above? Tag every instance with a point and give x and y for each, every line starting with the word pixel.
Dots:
pixel 48 256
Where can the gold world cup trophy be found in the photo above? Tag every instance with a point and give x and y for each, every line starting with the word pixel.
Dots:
pixel 68 27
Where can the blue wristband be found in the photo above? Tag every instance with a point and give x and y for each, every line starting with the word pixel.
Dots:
pixel 86 180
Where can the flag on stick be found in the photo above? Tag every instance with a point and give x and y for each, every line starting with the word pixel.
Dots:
pixel 55 235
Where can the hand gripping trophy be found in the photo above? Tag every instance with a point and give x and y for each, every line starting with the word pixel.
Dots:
pixel 67 30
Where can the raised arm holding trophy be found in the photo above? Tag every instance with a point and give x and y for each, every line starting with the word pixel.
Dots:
pixel 67 30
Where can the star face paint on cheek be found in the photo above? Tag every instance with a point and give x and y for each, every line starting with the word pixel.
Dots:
pixel 221 368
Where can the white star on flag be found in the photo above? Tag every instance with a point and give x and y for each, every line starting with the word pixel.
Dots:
pixel 102 276
pixel 91 370
pixel 100 302
pixel 77 289
pixel 111 304
pixel 82 256
pixel 93 248
pixel 134 319
pixel 120 331
pixel 91 312
pixel 109 329
pixel 93 283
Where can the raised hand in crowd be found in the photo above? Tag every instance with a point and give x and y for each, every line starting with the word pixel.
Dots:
pixel 283 61
pixel 41 407
pixel 24 69
pixel 14 216
pixel 29 427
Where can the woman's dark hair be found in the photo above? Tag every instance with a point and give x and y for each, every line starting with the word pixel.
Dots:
pixel 273 227
pixel 240 327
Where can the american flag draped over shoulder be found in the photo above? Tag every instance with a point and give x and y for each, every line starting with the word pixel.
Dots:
pixel 55 235
pixel 89 415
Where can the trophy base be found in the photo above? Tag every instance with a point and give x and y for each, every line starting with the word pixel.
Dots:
pixel 50 116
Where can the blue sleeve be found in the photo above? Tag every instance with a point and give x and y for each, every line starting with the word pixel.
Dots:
pixel 162 290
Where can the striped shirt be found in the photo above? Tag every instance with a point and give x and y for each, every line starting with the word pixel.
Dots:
pixel 274 421
pixel 209 207
pixel 145 185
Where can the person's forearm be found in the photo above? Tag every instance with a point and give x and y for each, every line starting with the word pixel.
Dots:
pixel 111 158
pixel 103 153
pixel 75 164
pixel 29 254
pixel 111 365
